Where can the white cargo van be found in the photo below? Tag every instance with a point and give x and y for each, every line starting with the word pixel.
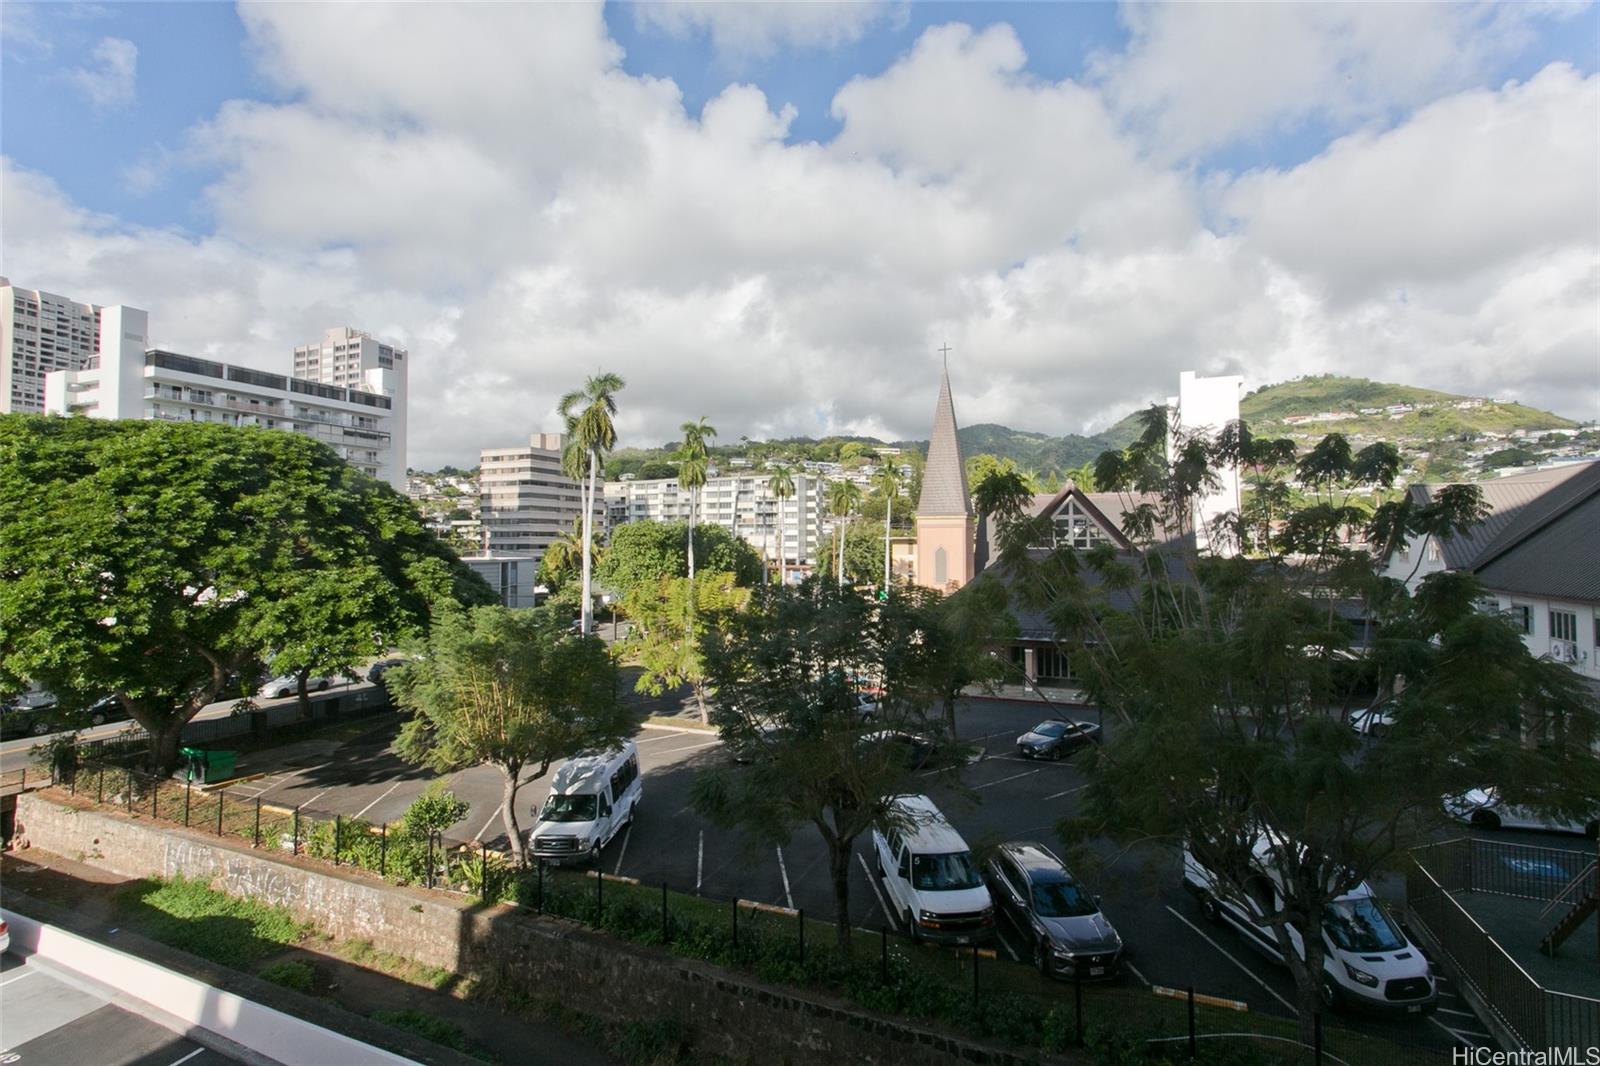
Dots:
pixel 592 799
pixel 1367 960
pixel 930 875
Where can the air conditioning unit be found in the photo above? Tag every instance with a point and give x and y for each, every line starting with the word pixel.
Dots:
pixel 1563 651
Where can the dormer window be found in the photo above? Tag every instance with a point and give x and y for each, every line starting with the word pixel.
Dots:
pixel 1072 527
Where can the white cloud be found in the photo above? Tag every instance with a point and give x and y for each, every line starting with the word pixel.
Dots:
pixel 109 81
pixel 550 215
pixel 1200 76
pixel 741 29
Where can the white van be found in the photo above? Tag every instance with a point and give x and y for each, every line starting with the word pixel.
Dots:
pixel 931 877
pixel 592 799
pixel 1367 960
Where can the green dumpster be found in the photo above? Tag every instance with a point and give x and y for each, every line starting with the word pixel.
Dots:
pixel 209 767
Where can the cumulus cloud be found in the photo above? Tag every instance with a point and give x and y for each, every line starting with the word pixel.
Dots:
pixel 746 30
pixel 109 80
pixel 1200 76
pixel 552 215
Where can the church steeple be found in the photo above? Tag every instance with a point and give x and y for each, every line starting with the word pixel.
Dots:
pixel 944 477
pixel 945 526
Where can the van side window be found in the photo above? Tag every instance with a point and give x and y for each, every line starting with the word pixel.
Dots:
pixel 903 861
pixel 625 775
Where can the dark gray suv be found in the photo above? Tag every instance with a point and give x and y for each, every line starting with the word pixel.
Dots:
pixel 1065 931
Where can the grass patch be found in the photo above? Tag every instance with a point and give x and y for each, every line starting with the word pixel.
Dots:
pixel 363 953
pixel 425 1025
pixel 295 975
pixel 191 916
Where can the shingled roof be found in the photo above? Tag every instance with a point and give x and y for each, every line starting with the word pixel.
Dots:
pixel 1548 548
pixel 944 477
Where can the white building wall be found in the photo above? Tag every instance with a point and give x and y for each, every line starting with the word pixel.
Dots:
pixel 41 333
pixel 511 576
pixel 1207 405
pixel 1582 653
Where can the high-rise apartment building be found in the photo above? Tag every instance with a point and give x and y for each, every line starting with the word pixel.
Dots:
pixel 742 504
pixel 351 358
pixel 362 417
pixel 525 501
pixel 41 332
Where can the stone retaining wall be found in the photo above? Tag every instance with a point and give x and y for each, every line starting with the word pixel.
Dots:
pixel 731 1015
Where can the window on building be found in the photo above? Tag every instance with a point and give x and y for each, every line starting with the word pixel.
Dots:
pixel 1522 618
pixel 941 567
pixel 1563 625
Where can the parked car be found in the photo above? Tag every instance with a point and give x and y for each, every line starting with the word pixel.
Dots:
pixel 914 749
pixel 1367 960
pixel 18 721
pixel 1482 807
pixel 592 799
pixel 376 671
pixel 930 876
pixel 285 685
pixel 1057 916
pixel 1374 721
pixel 1055 738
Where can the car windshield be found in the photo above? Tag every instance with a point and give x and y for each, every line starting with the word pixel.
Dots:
pixel 1360 925
pixel 939 873
pixel 1051 729
pixel 568 809
pixel 1062 899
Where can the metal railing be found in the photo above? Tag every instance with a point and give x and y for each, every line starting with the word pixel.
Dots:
pixel 1539 1018
pixel 1584 883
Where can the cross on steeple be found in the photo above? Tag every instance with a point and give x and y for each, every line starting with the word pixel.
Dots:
pixel 945 351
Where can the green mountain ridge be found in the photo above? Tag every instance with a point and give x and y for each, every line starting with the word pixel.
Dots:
pixel 1434 416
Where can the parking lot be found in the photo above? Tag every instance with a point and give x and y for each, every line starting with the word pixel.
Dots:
pixel 999 797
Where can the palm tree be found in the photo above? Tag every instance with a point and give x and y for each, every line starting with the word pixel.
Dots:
pixel 591 435
pixel 781 485
pixel 565 553
pixel 887 481
pixel 693 460
pixel 1082 477
pixel 843 499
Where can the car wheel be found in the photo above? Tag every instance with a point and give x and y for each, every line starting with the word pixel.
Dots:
pixel 1209 908
pixel 1055 753
pixel 1330 994
pixel 322 686
pixel 97 718
pixel 1482 819
pixel 282 694
pixel 39 727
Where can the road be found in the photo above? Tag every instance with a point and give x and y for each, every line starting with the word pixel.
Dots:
pixel 50 1016
pixel 1000 797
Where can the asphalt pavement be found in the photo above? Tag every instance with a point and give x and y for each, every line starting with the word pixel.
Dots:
pixel 51 1016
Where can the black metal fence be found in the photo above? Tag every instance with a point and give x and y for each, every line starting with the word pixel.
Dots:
pixel 1538 1017
pixel 972 990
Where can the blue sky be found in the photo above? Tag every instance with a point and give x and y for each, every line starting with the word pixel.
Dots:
pixel 1405 191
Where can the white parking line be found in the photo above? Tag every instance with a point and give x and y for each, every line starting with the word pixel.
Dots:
pixel 313 799
pixel 670 734
pixel 187 1057
pixel 1458 1034
pixel 380 799
pixel 292 774
pixel 784 870
pixel 1007 945
pixel 17 977
pixel 1463 1013
pixel 1068 792
pixel 700 863
pixel 1242 967
pixel 692 747
pixel 624 850
pixel 478 836
pixel 872 882
pixel 1003 780
pixel 1143 980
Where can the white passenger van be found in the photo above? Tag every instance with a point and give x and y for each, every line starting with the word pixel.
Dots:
pixel 1367 960
pixel 931 876
pixel 592 799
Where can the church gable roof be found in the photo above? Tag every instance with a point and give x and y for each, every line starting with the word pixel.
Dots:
pixel 944 477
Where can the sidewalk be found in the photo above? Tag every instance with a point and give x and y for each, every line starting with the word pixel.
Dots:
pixel 1069 697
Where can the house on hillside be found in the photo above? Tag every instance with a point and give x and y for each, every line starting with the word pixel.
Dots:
pixel 1537 556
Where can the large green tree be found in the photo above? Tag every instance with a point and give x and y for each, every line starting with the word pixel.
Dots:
pixel 786 672
pixel 591 435
pixel 511 688
pixel 1222 674
pixel 667 621
pixel 641 553
pixel 163 563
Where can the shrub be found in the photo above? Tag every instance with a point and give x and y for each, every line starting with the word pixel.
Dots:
pixel 295 975
pixel 436 810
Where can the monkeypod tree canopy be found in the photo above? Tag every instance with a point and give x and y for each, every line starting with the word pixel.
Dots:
pixel 163 563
